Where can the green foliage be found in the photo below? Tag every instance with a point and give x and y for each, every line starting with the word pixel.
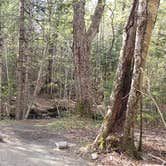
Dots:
pixel 73 122
pixel 151 118
pixel 104 61
pixel 83 109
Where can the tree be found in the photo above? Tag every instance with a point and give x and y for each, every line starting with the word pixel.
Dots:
pixel 146 21
pixel 82 40
pixel 20 68
pixel 1 53
pixel 114 119
pixel 28 56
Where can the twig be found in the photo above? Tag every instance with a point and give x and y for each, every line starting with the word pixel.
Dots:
pixel 158 158
pixel 155 103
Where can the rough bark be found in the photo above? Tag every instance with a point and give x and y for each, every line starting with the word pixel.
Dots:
pixel 1 53
pixel 114 119
pixel 81 49
pixel 20 76
pixel 147 13
pixel 28 55
pixel 51 48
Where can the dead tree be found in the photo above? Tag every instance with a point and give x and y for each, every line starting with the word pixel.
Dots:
pixel 114 119
pixel 146 20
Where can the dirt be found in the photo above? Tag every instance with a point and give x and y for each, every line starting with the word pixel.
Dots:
pixel 153 153
pixel 31 143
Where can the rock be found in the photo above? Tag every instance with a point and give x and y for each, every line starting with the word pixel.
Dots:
pixel 94 156
pixel 1 139
pixel 71 145
pixel 62 145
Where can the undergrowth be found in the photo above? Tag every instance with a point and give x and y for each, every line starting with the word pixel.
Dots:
pixel 74 122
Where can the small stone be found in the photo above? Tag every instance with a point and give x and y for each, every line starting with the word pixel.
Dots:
pixel 94 156
pixel 62 145
pixel 71 145
pixel 1 139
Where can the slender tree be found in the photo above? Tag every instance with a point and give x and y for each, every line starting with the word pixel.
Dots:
pixel 82 40
pixel 20 68
pixel 28 55
pixel 1 53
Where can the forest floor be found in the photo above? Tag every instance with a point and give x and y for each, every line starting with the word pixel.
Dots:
pixel 32 143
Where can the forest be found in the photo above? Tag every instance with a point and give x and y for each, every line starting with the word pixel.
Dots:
pixel 82 82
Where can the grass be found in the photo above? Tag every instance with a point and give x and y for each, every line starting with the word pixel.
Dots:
pixel 152 118
pixel 6 120
pixel 74 122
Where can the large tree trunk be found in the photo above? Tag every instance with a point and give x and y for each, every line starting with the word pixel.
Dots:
pixel 81 49
pixel 20 73
pixel 147 15
pixel 114 119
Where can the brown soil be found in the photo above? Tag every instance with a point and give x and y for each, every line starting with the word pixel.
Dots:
pixel 32 143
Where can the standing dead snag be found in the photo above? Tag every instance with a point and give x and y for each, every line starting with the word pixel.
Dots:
pixel 114 119
pixel 147 13
pixel 82 40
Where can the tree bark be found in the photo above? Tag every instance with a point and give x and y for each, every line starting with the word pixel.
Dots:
pixel 114 119
pixel 147 13
pixel 28 56
pixel 20 73
pixel 38 81
pixel 51 48
pixel 1 53
pixel 81 49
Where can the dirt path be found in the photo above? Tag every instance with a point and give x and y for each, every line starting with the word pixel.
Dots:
pixel 30 143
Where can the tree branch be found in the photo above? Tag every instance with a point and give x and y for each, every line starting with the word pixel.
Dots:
pixel 96 18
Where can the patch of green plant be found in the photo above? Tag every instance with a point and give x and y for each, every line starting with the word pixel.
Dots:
pixel 73 122
pixel 151 117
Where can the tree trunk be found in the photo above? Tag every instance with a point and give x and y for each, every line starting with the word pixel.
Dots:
pixel 1 53
pixel 50 51
pixel 38 82
pixel 28 55
pixel 147 15
pixel 115 117
pixel 81 49
pixel 20 73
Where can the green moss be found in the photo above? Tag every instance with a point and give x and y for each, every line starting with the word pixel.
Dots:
pixel 83 108
pixel 102 144
pixel 129 147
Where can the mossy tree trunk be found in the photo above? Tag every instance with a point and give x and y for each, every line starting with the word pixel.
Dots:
pixel 81 50
pixel 114 119
pixel 147 13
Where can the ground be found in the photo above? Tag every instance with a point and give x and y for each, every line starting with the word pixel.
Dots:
pixel 32 143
